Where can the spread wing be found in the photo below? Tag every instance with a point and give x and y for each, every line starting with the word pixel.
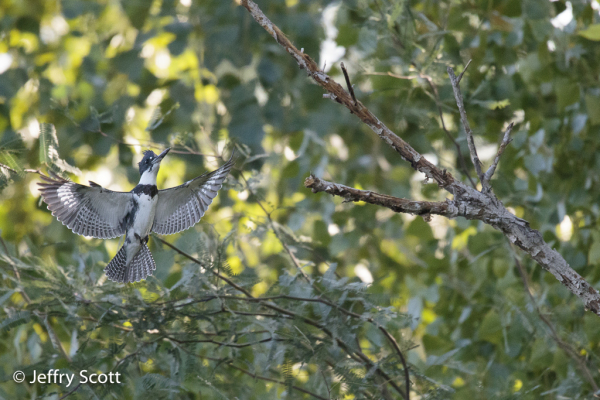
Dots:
pixel 87 210
pixel 181 207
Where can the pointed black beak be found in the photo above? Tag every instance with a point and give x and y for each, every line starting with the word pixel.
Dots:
pixel 160 156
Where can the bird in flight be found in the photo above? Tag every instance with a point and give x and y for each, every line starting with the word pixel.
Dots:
pixel 104 214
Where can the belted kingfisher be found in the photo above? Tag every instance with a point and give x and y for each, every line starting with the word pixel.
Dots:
pixel 104 214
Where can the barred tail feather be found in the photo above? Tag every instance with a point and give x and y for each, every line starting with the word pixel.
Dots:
pixel 115 270
pixel 140 267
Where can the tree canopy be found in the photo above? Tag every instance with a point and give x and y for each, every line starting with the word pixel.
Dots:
pixel 280 292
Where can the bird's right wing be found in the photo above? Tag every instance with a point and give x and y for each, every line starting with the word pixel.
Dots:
pixel 87 210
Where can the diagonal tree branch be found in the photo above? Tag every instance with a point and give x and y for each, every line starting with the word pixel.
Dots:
pixel 468 202
pixel 339 94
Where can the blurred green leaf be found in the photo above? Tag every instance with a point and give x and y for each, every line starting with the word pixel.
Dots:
pixel 592 32
pixel 491 328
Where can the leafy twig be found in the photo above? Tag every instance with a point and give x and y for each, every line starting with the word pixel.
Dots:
pixel 357 354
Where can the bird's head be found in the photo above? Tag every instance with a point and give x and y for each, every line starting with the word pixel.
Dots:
pixel 151 162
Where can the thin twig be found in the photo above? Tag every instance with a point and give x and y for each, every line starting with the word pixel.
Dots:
pixel 21 289
pixel 389 73
pixel 120 327
pixel 267 379
pixel 505 141
pixel 436 98
pixel 350 88
pixel 326 385
pixel 459 154
pixel 5 248
pixel 463 115
pixel 130 355
pixel 463 71
pixel 71 391
pixel 388 336
pixel 461 158
pixel 255 376
pixel 224 344
pixel 8 168
pixel 151 144
pixel 277 234
pixel 52 334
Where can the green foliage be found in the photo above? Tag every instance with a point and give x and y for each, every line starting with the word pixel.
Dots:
pixel 87 85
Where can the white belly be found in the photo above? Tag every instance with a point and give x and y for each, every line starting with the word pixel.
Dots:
pixel 142 224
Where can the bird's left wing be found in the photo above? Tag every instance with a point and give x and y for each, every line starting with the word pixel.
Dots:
pixel 87 210
pixel 181 207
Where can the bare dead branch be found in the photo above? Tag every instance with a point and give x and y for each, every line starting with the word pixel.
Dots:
pixel 463 116
pixel 395 204
pixel 467 202
pixel 505 141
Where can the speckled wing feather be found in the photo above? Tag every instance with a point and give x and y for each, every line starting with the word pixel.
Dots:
pixel 87 210
pixel 181 207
